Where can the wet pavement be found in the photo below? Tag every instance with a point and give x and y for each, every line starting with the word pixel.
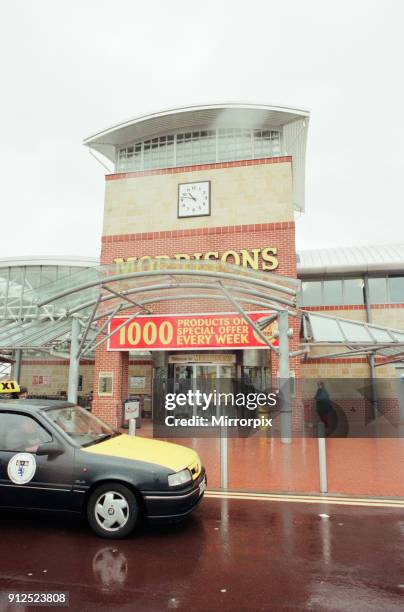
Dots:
pixel 230 555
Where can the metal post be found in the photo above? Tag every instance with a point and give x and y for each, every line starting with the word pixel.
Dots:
pixel 17 364
pixel 74 362
pixel 224 480
pixel 224 459
pixel 284 377
pixel 371 358
pixel 132 427
pixel 322 458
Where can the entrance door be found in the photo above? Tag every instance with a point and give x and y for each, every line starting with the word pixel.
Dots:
pixel 206 377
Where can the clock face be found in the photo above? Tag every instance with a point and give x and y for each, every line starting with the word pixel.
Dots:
pixel 194 199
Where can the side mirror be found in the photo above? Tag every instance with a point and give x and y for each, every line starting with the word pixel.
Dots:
pixel 52 449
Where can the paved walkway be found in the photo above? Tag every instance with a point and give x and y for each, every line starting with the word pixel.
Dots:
pixel 372 467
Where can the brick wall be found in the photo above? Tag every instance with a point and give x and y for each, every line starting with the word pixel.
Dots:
pixel 252 208
pixel 217 239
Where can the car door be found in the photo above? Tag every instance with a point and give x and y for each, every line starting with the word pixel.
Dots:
pixel 28 480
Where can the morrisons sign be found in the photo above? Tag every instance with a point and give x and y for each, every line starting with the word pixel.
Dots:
pixel 257 259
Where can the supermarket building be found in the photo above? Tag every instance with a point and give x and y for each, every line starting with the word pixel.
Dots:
pixel 223 183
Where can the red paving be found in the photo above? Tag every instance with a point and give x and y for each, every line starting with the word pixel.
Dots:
pixel 354 466
pixel 366 466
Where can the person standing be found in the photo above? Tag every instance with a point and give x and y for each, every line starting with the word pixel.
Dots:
pixel 323 404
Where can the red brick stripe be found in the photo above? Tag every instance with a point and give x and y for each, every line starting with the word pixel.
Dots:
pixel 216 166
pixel 351 307
pixel 201 231
pixel 318 360
pixel 335 361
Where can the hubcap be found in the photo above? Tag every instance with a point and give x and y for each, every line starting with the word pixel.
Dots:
pixel 111 511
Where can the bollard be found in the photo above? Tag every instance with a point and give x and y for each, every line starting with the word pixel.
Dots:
pixel 132 427
pixel 322 458
pixel 224 478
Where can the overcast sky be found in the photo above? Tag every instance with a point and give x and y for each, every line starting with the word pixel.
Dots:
pixel 69 69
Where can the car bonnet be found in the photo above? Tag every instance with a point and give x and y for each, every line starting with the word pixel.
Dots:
pixel 172 456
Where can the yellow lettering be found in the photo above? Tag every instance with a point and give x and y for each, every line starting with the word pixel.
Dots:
pixel 268 255
pixel 166 332
pixel 245 258
pixel 211 255
pixel 125 266
pixel 248 260
pixel 150 332
pixel 138 332
pixel 233 254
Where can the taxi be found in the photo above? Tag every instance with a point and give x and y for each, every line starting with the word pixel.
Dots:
pixel 55 455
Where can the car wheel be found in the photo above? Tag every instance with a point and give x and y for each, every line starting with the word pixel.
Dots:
pixel 112 511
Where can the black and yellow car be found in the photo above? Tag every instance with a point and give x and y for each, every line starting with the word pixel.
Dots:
pixel 57 456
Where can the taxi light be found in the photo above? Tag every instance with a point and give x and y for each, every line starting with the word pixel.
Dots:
pixel 180 478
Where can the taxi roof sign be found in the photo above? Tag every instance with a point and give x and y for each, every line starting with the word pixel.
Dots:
pixel 9 386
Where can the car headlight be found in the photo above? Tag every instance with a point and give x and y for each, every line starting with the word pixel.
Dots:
pixel 180 478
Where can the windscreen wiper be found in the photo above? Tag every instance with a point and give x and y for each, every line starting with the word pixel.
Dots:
pixel 100 438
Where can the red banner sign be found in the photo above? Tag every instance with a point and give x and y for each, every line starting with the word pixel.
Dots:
pixel 189 331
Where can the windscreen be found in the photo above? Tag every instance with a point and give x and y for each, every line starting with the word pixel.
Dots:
pixel 81 426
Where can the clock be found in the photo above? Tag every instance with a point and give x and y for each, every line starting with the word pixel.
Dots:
pixel 194 199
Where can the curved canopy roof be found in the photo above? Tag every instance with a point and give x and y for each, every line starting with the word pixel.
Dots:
pixel 213 115
pixel 102 292
pixel 48 260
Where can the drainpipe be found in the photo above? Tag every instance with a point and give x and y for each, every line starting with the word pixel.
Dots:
pixel 371 358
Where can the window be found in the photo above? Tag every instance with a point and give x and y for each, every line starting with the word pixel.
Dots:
pixel 266 143
pixel 396 288
pixel 234 144
pixel 311 293
pixel 382 290
pixel 353 291
pixel 198 147
pixel 105 382
pixel 332 293
pixel 195 147
pixel 19 433
pixel 378 290
pixel 81 426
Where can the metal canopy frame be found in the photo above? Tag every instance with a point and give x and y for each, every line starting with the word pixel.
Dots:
pixel 391 348
pixel 99 293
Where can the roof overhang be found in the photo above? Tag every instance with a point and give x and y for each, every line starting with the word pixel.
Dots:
pixel 371 259
pixel 192 117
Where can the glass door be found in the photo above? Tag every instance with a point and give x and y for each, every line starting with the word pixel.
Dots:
pixel 203 377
